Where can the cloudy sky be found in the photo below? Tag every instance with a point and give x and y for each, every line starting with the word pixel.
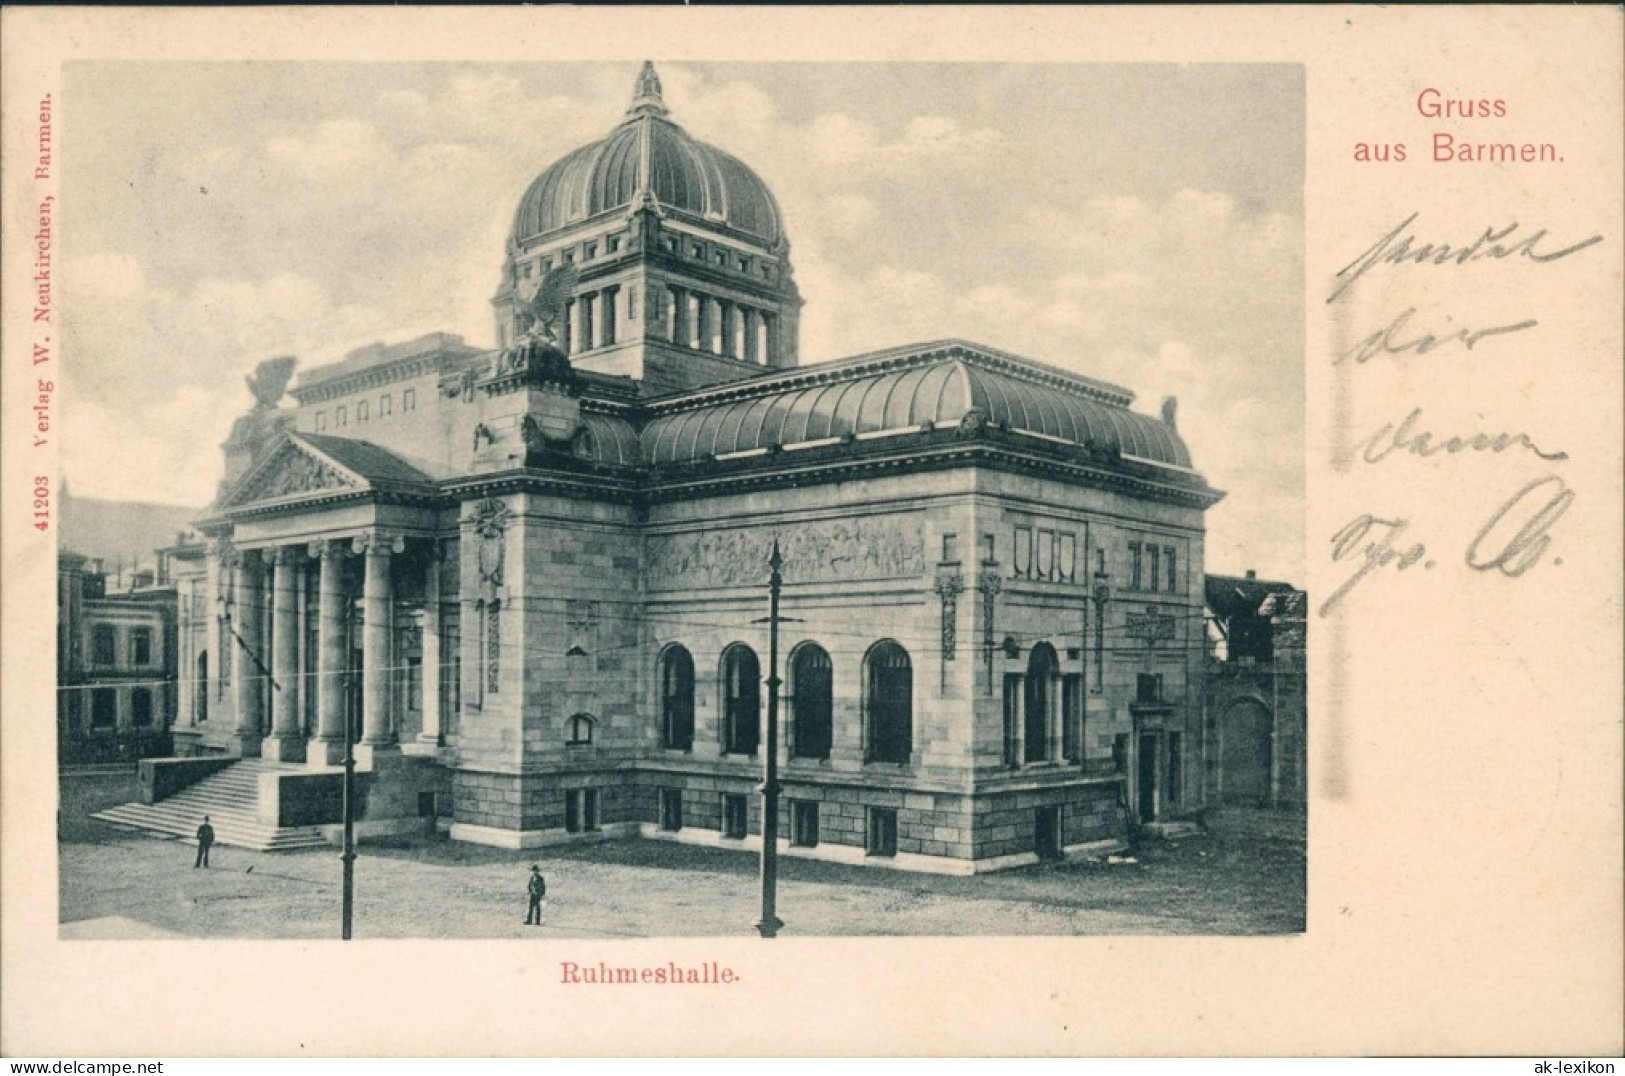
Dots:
pixel 1138 224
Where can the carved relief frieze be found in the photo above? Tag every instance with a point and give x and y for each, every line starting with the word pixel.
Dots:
pixel 820 551
pixel 294 472
pixel 948 588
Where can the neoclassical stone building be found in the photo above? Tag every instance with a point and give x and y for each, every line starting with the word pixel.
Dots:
pixel 533 579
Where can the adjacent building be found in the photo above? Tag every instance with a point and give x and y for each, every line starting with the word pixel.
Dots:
pixel 530 581
pixel 1256 691
pixel 116 687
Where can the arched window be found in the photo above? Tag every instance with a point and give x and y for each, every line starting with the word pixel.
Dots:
pixel 741 700
pixel 677 699
pixel 1039 702
pixel 580 730
pixel 812 725
pixel 890 698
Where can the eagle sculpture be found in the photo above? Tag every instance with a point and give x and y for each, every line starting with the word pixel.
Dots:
pixel 540 314
pixel 270 380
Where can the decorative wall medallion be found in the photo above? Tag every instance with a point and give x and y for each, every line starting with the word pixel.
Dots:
pixel 489 521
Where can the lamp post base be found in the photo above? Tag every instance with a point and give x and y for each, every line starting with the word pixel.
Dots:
pixel 769 928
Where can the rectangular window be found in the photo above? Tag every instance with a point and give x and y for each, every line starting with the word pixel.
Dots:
pixel 1134 560
pixel 1012 720
pixel 1175 766
pixel 409 400
pixel 140 646
pixel 341 416
pixel 1156 565
pixel 385 405
pixel 1173 576
pixel 103 708
pixel 613 243
pixel 321 421
pixel 734 815
pixel 103 644
pixel 1072 730
pixel 141 706
pixel 804 823
pixel 882 832
pixel 1148 687
pixel 361 411
pixel 950 549
pixel 1021 554
pixel 581 810
pixel 671 809
pixel 414 684
pixel 591 251
pixel 987 549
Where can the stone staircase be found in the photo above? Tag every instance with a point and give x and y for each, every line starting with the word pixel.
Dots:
pixel 230 798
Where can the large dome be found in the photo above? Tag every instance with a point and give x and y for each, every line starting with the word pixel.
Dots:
pixel 648 154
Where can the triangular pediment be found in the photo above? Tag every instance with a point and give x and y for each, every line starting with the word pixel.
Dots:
pixel 293 469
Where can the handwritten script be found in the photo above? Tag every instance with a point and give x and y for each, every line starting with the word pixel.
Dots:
pixel 1518 531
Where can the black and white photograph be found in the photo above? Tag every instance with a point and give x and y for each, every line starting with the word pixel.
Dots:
pixel 604 465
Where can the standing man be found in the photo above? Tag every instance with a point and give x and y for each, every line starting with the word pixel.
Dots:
pixel 538 897
pixel 205 838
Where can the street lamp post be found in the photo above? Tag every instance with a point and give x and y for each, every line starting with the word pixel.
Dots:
pixel 769 924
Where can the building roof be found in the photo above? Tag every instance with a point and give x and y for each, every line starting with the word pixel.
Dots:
pixel 1228 595
pixel 648 156
pixel 365 459
pixel 941 384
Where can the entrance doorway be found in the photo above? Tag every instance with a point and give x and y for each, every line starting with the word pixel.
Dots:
pixel 1047 832
pixel 1147 792
pixel 1246 752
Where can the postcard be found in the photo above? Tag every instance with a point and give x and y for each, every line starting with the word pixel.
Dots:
pixel 1015 531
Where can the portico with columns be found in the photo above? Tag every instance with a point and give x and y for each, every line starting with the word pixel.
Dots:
pixel 310 548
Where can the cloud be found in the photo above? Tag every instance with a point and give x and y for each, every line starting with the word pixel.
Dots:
pixel 378 214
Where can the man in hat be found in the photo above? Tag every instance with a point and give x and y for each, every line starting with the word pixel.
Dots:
pixel 538 897
pixel 205 838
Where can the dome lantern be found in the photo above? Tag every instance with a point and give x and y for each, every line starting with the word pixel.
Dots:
pixel 683 268
pixel 646 98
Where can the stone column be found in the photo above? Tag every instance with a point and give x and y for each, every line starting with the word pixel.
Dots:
pixel 770 338
pixel 1057 692
pixel 430 634
pixel 250 650
pixel 679 317
pixel 327 748
pixel 584 311
pixel 702 319
pixel 568 336
pixel 284 743
pixel 730 329
pixel 749 318
pixel 377 616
